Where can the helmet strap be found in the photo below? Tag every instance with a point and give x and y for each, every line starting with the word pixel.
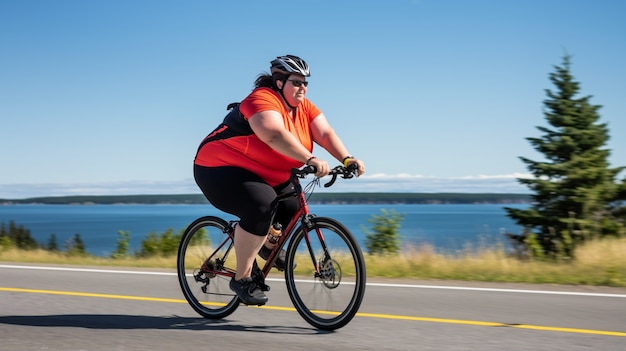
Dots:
pixel 280 91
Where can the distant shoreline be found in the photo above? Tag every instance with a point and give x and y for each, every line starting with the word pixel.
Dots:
pixel 316 198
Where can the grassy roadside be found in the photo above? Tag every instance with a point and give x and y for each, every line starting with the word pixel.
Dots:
pixel 601 263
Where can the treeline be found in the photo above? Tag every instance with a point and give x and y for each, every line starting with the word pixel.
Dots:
pixel 316 198
pixel 154 244
pixel 17 236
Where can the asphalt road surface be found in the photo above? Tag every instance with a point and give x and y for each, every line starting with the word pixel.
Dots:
pixel 87 308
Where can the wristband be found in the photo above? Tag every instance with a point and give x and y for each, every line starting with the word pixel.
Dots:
pixel 309 160
pixel 346 159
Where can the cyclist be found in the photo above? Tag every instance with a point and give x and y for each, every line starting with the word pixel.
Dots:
pixel 246 161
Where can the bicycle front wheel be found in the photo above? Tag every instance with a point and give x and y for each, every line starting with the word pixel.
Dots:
pixel 205 265
pixel 328 285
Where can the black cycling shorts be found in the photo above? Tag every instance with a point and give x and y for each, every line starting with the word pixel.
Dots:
pixel 244 194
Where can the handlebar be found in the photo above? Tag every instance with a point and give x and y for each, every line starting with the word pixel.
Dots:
pixel 343 172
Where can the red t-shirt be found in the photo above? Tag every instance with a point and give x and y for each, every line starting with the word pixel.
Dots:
pixel 229 146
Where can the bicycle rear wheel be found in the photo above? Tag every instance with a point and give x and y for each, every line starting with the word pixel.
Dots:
pixel 205 265
pixel 330 296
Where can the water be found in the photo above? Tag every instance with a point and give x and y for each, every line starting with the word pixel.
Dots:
pixel 445 227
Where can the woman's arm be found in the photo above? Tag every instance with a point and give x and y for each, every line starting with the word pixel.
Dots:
pixel 269 127
pixel 325 136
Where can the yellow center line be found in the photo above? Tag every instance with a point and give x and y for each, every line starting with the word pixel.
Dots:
pixel 493 324
pixel 83 294
pixel 359 314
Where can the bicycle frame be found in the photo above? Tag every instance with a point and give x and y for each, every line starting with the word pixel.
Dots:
pixel 301 217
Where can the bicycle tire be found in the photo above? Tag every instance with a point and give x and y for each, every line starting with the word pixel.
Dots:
pixel 332 298
pixel 203 279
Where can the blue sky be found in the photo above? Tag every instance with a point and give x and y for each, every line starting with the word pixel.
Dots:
pixel 113 97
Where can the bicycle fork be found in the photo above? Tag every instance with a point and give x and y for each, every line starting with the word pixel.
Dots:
pixel 326 269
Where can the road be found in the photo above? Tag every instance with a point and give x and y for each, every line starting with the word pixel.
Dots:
pixel 86 308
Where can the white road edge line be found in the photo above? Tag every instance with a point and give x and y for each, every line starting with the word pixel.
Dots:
pixel 413 286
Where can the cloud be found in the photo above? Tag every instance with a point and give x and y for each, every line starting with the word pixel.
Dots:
pixel 368 183
pixel 134 187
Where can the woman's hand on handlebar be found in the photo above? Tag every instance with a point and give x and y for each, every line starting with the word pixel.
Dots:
pixel 321 166
pixel 360 165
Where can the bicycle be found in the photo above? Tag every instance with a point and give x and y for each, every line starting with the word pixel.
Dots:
pixel 324 267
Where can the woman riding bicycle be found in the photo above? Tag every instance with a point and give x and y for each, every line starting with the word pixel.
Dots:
pixel 246 161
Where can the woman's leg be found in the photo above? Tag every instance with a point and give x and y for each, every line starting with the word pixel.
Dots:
pixel 245 195
pixel 247 246
pixel 285 210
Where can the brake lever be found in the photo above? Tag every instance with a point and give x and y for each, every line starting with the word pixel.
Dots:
pixel 332 181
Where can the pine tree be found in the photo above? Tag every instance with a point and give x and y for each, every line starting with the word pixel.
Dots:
pixel 21 237
pixel 79 245
pixel 574 188
pixel 123 243
pixel 52 243
pixel 75 246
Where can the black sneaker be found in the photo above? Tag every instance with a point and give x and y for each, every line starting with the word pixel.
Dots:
pixel 280 260
pixel 248 291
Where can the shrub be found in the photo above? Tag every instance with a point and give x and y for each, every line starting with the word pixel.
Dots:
pixel 384 237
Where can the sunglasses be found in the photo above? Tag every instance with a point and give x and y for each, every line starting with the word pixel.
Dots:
pixel 298 83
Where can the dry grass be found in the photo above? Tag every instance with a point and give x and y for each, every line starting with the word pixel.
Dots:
pixel 597 263
pixel 42 256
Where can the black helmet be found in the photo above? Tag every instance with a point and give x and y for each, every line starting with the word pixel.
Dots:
pixel 290 64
